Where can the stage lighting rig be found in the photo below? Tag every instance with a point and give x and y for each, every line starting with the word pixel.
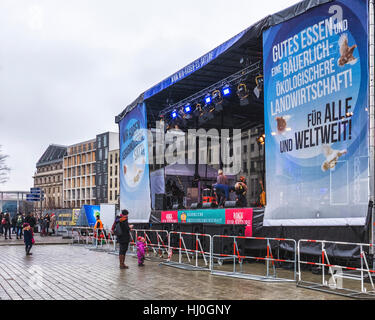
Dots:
pixel 226 90
pixel 243 93
pixel 208 99
pixel 216 97
pixel 186 111
pixel 261 139
pixel 259 86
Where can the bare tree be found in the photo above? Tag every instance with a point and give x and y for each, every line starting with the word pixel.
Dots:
pixel 4 169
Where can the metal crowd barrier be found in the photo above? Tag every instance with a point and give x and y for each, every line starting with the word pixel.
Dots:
pixel 271 258
pixel 337 273
pixel 156 242
pixel 191 248
pixel 103 240
pixel 80 235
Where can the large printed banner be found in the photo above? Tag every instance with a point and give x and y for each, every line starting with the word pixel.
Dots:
pixel 219 216
pixel 134 171
pixel 316 116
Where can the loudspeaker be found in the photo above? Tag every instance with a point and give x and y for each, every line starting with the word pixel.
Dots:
pixel 196 205
pixel 160 201
pixel 230 204
pixel 209 205
pixel 220 245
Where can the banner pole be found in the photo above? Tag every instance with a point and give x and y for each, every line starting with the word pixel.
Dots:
pixel 372 118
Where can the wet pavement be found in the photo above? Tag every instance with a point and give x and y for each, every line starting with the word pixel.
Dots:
pixel 66 272
pixel 38 240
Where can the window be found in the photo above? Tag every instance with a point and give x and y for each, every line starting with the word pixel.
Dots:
pixel 244 166
pixel 110 171
pixel 244 149
pixel 116 170
pixel 104 141
pixel 110 158
pixel 252 147
pixel 110 195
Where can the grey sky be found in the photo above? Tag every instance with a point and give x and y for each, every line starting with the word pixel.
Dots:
pixel 67 68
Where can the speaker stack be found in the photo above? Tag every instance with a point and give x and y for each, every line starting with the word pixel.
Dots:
pixel 160 201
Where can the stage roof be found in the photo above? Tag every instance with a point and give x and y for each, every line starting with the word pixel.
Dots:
pixel 215 66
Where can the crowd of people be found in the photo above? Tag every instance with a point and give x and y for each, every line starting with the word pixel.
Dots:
pixel 14 225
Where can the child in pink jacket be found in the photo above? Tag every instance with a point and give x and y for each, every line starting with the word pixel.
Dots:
pixel 141 250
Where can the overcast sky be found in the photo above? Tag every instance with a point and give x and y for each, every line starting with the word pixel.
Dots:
pixel 68 67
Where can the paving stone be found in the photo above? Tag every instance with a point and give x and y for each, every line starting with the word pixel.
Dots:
pixel 66 272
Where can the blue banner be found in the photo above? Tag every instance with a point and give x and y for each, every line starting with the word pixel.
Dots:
pixel 134 171
pixel 91 211
pixel 316 116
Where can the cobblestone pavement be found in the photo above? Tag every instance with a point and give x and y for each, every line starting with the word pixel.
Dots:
pixel 38 240
pixel 75 273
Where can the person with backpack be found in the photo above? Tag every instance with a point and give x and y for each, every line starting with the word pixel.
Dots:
pixel 19 223
pixel 7 226
pixel 121 229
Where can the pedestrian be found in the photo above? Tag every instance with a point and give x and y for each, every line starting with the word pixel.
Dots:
pixel 19 223
pixel 121 229
pixel 30 219
pixel 28 236
pixel 6 222
pixel 42 224
pixel 99 230
pixel 141 251
pixel 1 223
pixel 52 223
pixel 14 223
pixel 47 220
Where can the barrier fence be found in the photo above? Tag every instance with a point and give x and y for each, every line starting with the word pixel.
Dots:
pixel 238 246
pixel 156 242
pixel 191 248
pixel 337 273
pixel 199 251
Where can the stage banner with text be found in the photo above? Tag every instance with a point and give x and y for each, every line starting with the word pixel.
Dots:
pixel 316 116
pixel 134 171
pixel 169 217
pixel 202 216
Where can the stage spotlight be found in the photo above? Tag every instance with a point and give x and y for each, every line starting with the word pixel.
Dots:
pixel 226 91
pixel 198 110
pixel 262 139
pixel 174 114
pixel 243 93
pixel 259 86
pixel 216 97
pixel 208 99
pixel 187 108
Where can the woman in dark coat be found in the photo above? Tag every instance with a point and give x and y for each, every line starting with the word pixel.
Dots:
pixel 7 226
pixel 28 237
pixel 124 238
